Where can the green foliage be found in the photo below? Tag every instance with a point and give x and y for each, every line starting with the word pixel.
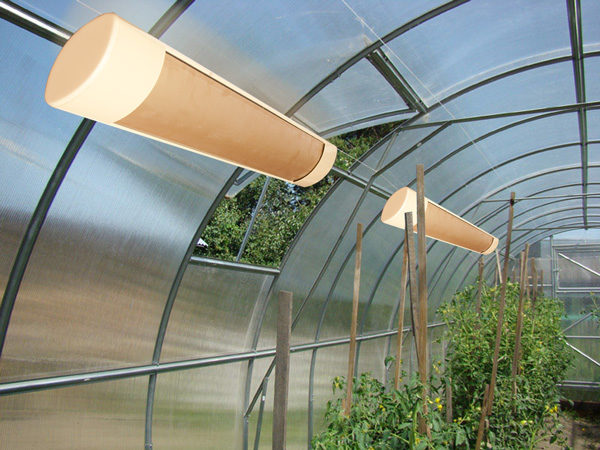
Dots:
pixel 382 419
pixel 387 419
pixel 285 209
pixel 518 421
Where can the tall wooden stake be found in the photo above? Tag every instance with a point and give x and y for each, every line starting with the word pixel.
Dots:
pixel 479 286
pixel 422 255
pixel 534 285
pixel 498 269
pixel 401 317
pixel 282 370
pixel 352 353
pixel 412 280
pixel 518 332
pixel 542 283
pixel 485 411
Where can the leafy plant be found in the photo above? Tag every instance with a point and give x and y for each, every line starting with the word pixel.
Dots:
pixel 517 420
pixel 382 419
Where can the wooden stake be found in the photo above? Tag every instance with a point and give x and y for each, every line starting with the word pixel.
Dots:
pixel 542 283
pixel 401 317
pixel 498 269
pixel 534 285
pixel 422 255
pixel 479 286
pixel 352 353
pixel 501 306
pixel 448 388
pixel 282 370
pixel 412 280
pixel 518 332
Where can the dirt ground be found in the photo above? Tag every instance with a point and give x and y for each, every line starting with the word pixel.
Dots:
pixel 581 430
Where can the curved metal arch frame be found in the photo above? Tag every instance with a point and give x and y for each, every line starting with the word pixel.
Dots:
pixel 449 254
pixel 549 215
pixel 502 236
pixel 501 129
pixel 514 183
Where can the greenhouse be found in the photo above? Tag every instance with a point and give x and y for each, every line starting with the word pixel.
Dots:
pixel 203 228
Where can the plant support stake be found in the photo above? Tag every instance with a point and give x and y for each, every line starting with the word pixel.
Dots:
pixel 487 409
pixel 282 369
pixel 401 317
pixel 355 296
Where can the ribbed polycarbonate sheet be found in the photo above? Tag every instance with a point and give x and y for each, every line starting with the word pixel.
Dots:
pixel 297 414
pixel 280 51
pixel 341 103
pixel 104 263
pixel 32 135
pixel 338 280
pixel 379 241
pixel 209 301
pixel 546 86
pixel 592 83
pixel 590 9
pixel 371 358
pixel 433 56
pixel 330 363
pixel 200 407
pixel 72 14
pixel 91 416
pixel 305 261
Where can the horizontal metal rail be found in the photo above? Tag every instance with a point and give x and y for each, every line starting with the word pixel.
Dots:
pixel 241 267
pixel 582 337
pixel 32 22
pixel 16 387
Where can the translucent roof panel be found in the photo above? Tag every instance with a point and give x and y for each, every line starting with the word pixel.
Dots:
pixel 32 135
pixel 492 36
pixel 592 79
pixel 545 86
pixel 341 102
pixel 590 11
pixel 278 51
pixel 72 14
pixel 593 123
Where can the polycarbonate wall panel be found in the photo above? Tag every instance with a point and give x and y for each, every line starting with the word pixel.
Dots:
pixel 212 312
pixel 200 407
pixel 100 273
pixel 492 36
pixel 305 261
pixel 72 14
pixel 371 358
pixel 542 87
pixel 331 362
pixel 297 412
pixel 91 416
pixel 359 92
pixel 32 135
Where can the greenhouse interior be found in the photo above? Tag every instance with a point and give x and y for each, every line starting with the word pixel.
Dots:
pixel 193 245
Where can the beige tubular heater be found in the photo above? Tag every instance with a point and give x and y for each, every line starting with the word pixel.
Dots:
pixel 112 72
pixel 440 223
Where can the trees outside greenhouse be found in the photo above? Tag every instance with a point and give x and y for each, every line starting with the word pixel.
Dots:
pixel 141 263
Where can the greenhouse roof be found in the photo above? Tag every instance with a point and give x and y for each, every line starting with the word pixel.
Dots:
pixel 97 225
